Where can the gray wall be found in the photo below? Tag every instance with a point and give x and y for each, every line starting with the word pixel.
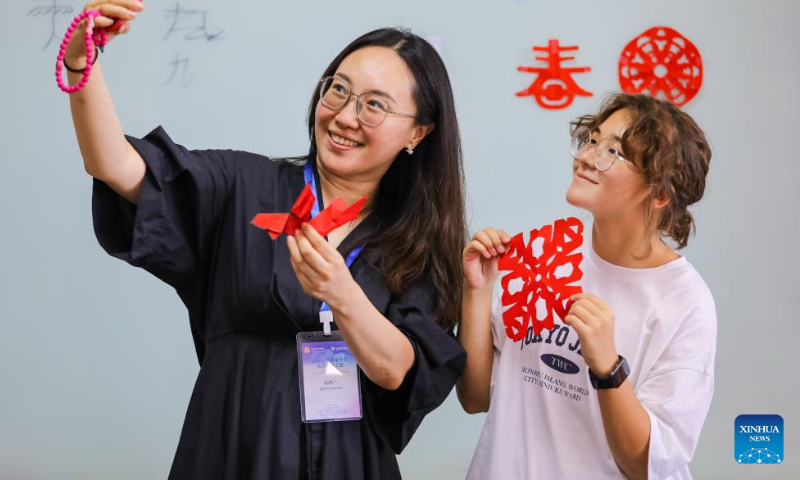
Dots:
pixel 96 359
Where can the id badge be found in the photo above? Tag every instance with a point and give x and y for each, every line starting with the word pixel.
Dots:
pixel 330 390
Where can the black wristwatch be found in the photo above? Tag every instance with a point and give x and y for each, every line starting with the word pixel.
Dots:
pixel 618 375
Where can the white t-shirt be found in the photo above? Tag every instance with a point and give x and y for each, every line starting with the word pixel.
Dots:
pixel 544 419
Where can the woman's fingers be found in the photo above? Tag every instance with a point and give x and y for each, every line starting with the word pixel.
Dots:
pixel 299 270
pixel 103 22
pixel 590 307
pixel 484 238
pixel 113 12
pixel 116 12
pixel 135 5
pixel 579 326
pixel 594 300
pixel 319 243
pixel 294 251
pixel 476 246
pixel 497 242
pixel 583 314
pixel 310 255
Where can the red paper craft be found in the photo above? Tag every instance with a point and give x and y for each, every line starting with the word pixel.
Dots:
pixel 541 276
pixel 661 63
pixel 328 220
pixel 554 87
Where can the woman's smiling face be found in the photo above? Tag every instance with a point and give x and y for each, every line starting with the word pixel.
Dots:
pixel 618 190
pixel 348 148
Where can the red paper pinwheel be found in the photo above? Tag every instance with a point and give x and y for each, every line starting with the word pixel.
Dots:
pixel 544 269
pixel 328 220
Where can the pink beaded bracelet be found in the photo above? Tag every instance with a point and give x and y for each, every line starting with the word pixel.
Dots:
pixel 94 38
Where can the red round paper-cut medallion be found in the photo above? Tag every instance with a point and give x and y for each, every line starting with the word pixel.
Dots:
pixel 661 63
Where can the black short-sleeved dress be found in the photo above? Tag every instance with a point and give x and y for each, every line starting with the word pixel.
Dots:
pixel 192 230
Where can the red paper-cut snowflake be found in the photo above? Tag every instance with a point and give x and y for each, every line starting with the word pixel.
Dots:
pixel 661 63
pixel 547 269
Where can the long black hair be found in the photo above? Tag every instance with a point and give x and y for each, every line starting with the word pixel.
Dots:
pixel 421 196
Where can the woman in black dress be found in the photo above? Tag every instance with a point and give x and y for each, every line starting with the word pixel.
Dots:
pixel 382 125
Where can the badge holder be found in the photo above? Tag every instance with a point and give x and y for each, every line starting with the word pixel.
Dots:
pixel 330 390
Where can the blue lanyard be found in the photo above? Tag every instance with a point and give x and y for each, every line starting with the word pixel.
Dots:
pixel 308 173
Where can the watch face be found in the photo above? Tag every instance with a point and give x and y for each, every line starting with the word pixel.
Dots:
pixel 615 379
pixel 620 373
pixel 625 367
pixel 622 365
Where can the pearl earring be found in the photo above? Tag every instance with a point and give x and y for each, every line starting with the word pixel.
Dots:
pixel 410 149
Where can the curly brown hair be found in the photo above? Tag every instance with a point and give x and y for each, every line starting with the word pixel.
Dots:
pixel 671 151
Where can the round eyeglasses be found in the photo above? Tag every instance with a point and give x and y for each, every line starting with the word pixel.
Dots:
pixel 605 151
pixel 371 108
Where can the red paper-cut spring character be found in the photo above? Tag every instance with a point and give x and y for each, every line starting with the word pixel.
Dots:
pixel 661 63
pixel 554 87
pixel 544 271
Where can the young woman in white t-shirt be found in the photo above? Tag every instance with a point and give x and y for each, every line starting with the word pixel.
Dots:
pixel 621 386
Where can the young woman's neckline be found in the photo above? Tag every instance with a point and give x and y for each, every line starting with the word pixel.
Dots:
pixel 636 272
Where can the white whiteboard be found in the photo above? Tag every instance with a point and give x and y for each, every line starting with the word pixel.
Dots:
pixel 93 385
